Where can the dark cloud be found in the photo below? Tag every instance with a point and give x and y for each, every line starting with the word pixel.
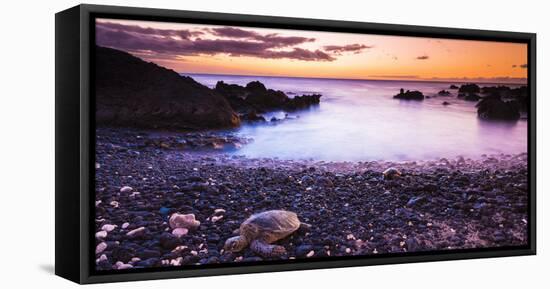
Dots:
pixel 183 33
pixel 275 39
pixel 423 57
pixel 514 66
pixel 233 41
pixel 523 65
pixel 339 49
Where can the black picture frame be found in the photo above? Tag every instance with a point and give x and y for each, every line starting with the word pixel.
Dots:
pixel 75 126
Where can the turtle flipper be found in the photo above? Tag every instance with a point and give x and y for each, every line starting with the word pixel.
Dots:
pixel 266 250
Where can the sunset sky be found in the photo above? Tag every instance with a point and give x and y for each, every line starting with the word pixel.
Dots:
pixel 191 48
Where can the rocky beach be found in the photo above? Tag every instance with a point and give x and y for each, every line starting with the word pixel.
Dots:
pixel 144 177
pixel 181 163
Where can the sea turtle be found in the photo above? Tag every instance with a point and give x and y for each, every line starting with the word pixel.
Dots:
pixel 262 229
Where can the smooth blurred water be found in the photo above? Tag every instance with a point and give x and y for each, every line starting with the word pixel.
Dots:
pixel 358 120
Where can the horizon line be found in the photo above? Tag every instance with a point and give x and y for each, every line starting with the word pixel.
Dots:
pixel 364 79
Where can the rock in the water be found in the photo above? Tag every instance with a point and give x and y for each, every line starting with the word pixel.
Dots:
pixel 470 88
pixel 186 221
pixel 493 108
pixel 444 93
pixel 453 86
pixel 409 95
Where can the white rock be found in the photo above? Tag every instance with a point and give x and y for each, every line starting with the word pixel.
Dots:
pixel 101 258
pixel 219 211
pixel 134 194
pixel 114 204
pixel 108 227
pixel 216 218
pixel 101 235
pixel 97 165
pixel 120 266
pixel 183 221
pixel 97 203
pixel 136 232
pixel 125 225
pixel 100 247
pixel 126 189
pixel 178 232
pixel 310 254
pixel 177 261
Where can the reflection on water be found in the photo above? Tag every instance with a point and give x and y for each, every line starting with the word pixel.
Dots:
pixel 359 120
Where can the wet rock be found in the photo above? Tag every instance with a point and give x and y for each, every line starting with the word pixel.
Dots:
pixel 495 109
pixel 409 95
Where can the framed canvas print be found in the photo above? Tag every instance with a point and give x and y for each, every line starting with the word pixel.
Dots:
pixel 193 144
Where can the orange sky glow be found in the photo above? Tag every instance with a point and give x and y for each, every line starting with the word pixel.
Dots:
pixel 193 48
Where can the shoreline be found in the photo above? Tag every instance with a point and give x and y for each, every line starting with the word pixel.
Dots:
pixel 435 205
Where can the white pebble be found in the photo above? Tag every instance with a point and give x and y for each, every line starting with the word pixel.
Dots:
pixel 183 221
pixel 97 203
pixel 125 225
pixel 101 235
pixel 310 254
pixel 101 258
pixel 119 266
pixel 216 218
pixel 114 204
pixel 126 189
pixel 108 227
pixel 135 259
pixel 97 165
pixel 348 250
pixel 178 232
pixel 219 211
pixel 100 247
pixel 134 194
pixel 136 232
pixel 176 262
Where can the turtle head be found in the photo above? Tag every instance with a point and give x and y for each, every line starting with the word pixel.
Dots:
pixel 235 244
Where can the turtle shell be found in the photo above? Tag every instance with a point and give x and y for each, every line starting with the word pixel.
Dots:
pixel 273 225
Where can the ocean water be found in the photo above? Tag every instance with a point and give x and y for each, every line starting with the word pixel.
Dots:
pixel 358 120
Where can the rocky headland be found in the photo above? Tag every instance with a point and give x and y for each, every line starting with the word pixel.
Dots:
pixel 131 92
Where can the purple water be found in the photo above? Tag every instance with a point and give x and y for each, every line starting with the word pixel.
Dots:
pixel 358 120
